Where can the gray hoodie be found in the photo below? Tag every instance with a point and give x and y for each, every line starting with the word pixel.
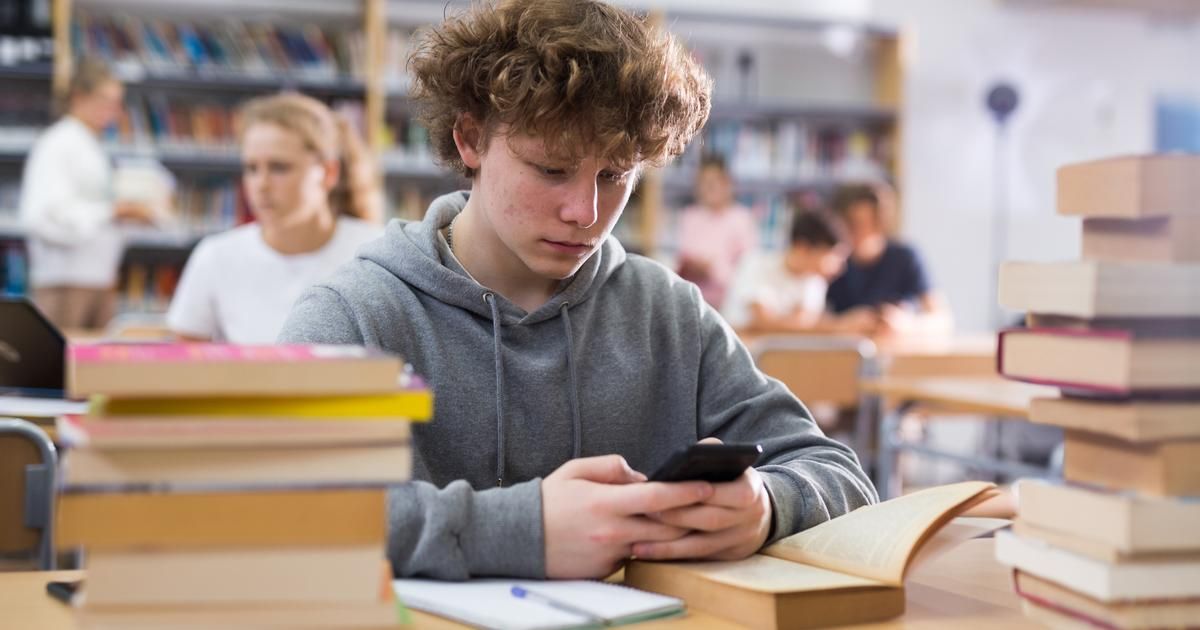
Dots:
pixel 626 358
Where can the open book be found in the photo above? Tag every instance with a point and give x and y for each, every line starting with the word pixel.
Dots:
pixel 847 570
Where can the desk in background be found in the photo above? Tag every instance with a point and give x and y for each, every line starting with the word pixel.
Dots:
pixel 989 396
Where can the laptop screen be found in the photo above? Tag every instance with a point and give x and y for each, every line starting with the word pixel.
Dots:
pixel 32 351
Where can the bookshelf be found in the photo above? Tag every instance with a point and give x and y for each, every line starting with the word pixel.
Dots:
pixel 187 65
pixel 788 146
pixel 786 150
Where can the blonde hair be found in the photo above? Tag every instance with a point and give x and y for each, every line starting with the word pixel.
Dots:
pixel 332 138
pixel 89 74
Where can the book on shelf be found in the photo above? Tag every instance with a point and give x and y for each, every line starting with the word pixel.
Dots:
pixel 1162 239
pixel 1059 607
pixel 1098 289
pixel 1103 361
pixel 147 288
pixel 211 205
pixel 190 370
pixel 1123 523
pixel 406 137
pixel 847 570
pixel 1136 579
pixel 24 112
pixel 1132 187
pixel 789 150
pixel 1130 420
pixel 165 121
pixel 219 48
pixel 1167 468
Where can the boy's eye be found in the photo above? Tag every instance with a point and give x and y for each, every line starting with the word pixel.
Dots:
pixel 550 171
pixel 613 176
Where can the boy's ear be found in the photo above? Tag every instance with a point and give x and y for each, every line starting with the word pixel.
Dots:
pixel 468 137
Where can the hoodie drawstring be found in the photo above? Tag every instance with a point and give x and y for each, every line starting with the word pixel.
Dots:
pixel 573 393
pixel 498 349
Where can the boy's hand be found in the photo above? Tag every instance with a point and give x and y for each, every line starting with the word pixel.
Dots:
pixel 593 512
pixel 730 525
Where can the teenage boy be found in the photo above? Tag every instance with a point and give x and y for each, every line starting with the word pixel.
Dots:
pixel 561 365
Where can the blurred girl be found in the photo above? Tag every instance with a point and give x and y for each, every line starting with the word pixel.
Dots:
pixel 67 206
pixel 313 195
pixel 715 233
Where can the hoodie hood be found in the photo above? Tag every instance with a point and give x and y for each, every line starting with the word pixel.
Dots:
pixel 415 252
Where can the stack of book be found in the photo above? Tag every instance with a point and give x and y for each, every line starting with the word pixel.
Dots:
pixel 230 486
pixel 1118 543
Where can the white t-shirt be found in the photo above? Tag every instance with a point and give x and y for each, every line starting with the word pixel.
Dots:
pixel 67 207
pixel 235 288
pixel 763 278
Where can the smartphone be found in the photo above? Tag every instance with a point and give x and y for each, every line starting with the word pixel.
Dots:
pixel 716 463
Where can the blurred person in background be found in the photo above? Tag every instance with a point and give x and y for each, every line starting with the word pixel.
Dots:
pixel 785 292
pixel 68 206
pixel 715 233
pixel 884 290
pixel 311 188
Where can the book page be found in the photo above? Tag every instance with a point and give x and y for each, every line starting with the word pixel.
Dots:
pixel 772 575
pixel 877 541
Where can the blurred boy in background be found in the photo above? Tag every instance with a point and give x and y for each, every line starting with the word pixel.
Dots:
pixel 785 292
pixel 884 290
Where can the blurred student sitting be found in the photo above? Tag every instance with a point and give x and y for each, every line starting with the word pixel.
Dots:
pixel 309 182
pixel 715 233
pixel 785 292
pixel 884 290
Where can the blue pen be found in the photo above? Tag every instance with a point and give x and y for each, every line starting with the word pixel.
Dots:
pixel 523 593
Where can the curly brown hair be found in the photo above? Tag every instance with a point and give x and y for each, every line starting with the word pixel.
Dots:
pixel 582 75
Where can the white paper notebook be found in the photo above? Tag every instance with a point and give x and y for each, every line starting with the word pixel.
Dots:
pixel 492 604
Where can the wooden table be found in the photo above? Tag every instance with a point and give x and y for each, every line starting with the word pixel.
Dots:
pixel 941 355
pixel 965 588
pixel 990 396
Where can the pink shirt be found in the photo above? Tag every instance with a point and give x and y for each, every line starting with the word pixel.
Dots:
pixel 720 239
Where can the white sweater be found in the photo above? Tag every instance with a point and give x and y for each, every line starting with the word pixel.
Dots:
pixel 67 208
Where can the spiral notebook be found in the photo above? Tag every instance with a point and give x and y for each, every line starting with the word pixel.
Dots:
pixel 549 605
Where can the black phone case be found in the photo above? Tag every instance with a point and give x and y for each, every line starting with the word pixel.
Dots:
pixel 716 463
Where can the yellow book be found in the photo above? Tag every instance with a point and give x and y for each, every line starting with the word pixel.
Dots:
pixel 414 405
